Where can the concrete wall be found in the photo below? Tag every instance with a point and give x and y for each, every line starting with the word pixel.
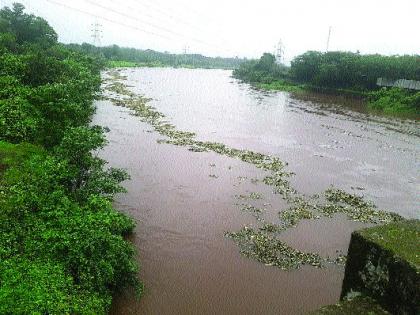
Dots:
pixel 401 83
pixel 384 264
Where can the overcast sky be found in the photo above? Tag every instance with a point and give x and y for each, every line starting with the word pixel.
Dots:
pixel 239 27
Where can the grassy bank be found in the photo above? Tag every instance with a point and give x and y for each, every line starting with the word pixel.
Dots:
pixel 395 101
pixel 130 64
pixel 62 246
pixel 281 85
pixel 121 64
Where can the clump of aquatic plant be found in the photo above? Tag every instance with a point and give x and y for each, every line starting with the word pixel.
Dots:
pixel 293 215
pixel 355 207
pixel 251 196
pixel 271 228
pixel 281 185
pixel 254 211
pixel 272 251
pixel 119 88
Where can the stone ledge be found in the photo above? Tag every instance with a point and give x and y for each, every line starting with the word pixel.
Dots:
pixel 384 264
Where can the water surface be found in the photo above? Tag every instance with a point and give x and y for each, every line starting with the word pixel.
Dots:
pixel 188 266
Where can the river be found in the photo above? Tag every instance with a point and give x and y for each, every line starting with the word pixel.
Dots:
pixel 185 201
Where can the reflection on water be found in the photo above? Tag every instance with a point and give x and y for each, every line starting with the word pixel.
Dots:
pixel 187 264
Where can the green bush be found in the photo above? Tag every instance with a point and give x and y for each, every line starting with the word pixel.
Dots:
pixel 62 245
pixel 395 100
pixel 265 70
pixel 43 287
pixel 18 120
pixel 347 70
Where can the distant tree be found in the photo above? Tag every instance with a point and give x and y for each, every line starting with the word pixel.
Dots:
pixel 352 70
pixel 26 28
pixel 267 62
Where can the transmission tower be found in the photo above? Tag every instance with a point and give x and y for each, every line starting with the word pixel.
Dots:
pixel 96 34
pixel 185 49
pixel 279 53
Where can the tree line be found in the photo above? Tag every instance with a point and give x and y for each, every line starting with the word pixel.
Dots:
pixel 341 72
pixel 349 70
pixel 154 58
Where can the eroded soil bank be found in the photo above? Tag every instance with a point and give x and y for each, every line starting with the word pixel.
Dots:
pixel 185 200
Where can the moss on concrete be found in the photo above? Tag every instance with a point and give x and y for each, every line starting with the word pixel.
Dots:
pixel 383 264
pixel 356 306
pixel 402 238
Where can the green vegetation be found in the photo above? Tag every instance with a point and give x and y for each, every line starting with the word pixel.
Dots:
pixel 280 85
pixel 151 58
pixel 265 70
pixel 360 305
pixel 395 101
pixel 62 246
pixel 12 155
pixel 121 64
pixel 342 72
pixel 271 251
pixel 352 71
pixel 402 238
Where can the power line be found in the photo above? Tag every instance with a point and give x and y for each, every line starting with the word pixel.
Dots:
pixel 143 12
pixel 170 16
pixel 131 17
pixel 128 25
pixel 108 20
pixel 153 25
pixel 153 6
pixel 185 9
pixel 181 21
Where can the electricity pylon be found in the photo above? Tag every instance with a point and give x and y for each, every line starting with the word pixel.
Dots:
pixel 96 34
pixel 279 54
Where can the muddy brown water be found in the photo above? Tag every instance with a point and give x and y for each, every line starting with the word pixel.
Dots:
pixel 187 265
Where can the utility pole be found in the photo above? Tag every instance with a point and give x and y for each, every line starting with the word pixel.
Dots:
pixel 279 54
pixel 96 34
pixel 328 39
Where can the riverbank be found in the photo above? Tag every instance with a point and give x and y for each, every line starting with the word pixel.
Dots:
pixel 341 73
pixel 386 102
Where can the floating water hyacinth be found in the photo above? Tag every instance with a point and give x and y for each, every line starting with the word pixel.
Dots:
pixel 251 196
pixel 272 251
